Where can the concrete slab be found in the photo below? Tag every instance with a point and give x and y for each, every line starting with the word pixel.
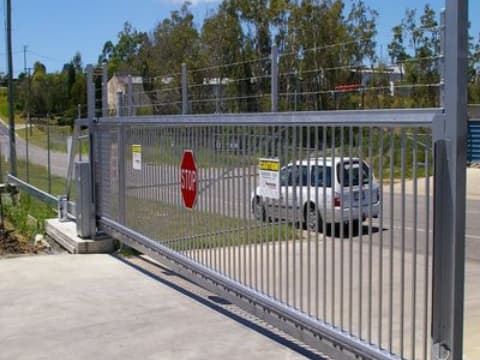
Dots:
pixel 65 233
pixel 96 306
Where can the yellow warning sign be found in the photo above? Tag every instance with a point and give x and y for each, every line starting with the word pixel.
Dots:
pixel 269 164
pixel 137 157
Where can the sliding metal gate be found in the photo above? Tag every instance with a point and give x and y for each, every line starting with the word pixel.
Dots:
pixel 321 223
pixel 359 284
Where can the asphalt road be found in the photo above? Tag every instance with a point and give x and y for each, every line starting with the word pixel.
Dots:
pixel 37 155
pixel 231 191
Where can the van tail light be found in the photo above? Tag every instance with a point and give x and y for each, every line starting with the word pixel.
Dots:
pixel 337 201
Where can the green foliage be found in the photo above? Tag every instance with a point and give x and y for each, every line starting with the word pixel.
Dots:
pixel 323 44
pixel 54 94
pixel 27 214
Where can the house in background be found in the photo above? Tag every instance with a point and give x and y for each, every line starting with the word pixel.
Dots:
pixel 119 83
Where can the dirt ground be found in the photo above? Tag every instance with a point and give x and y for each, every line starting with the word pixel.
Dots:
pixel 12 243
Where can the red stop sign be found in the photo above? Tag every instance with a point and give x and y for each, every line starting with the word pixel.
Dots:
pixel 188 179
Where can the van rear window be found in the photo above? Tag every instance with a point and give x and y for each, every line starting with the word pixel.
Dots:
pixel 351 173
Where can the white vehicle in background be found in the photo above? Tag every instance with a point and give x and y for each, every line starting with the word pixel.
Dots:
pixel 322 190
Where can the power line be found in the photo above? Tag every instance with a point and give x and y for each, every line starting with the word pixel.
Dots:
pixel 46 57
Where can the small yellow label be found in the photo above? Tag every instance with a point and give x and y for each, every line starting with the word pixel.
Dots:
pixel 269 164
pixel 136 148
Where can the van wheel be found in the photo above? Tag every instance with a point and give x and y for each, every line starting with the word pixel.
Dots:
pixel 259 210
pixel 312 218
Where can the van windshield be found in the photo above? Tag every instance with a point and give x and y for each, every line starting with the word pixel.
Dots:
pixel 351 172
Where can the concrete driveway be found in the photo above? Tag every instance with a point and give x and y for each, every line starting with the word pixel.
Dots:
pixel 97 306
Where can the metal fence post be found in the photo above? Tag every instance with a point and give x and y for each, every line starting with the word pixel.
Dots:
pixel 184 89
pixel 104 90
pixel 119 103
pixel 274 81
pixel 49 161
pixel 449 193
pixel 90 93
pixel 129 96
pixel 27 151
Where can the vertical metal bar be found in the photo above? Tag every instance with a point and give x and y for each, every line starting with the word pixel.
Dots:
pixel 295 215
pixel 350 229
pixel 280 224
pixel 258 233
pixel 11 113
pixel 309 247
pixel 104 89
pixel 317 237
pixel 402 232
pixel 245 201
pixel 324 218
pixel 414 262
pixel 428 152
pixel 251 189
pixel 380 248
pixel 370 237
pixel 300 215
pixel 269 227
pixel 49 157
pixel 392 237
pixel 184 89
pixel 27 155
pixel 274 80
pixel 232 195
pixel 450 190
pixel 332 225
pixel 274 222
pixel 208 184
pixel 225 142
pixel 287 219
pixel 122 150
pixel 360 232
pixel 342 224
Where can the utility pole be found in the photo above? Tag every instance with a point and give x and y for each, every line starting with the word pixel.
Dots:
pixel 25 59
pixel 11 119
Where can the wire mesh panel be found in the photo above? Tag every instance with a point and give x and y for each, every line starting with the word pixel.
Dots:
pixel 331 221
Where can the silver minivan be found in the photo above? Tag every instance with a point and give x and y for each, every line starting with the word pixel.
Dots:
pixel 322 190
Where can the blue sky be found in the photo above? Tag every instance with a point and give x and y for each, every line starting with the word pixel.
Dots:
pixel 54 30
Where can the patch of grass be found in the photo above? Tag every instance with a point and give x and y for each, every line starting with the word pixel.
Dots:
pixel 38 136
pixel 184 230
pixel 27 215
pixel 38 177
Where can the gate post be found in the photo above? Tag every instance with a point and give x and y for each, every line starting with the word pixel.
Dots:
pixel 449 192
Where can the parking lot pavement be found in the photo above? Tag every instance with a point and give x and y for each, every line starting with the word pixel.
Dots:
pixel 97 306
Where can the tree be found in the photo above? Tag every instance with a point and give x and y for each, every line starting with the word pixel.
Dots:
pixel 420 59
